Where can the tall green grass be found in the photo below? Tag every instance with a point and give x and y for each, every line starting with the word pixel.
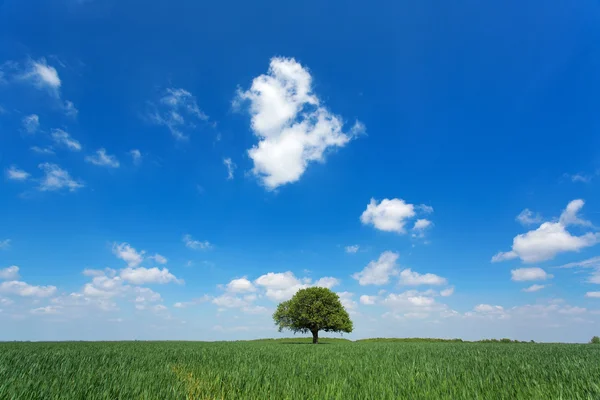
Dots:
pixel 294 370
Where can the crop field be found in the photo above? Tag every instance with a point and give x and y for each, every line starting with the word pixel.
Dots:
pixel 294 369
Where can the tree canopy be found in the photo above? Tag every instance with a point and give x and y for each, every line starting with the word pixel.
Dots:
pixel 312 310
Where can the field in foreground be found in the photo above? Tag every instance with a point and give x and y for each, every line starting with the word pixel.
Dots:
pixel 296 370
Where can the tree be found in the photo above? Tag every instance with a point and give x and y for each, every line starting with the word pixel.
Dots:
pixel 312 310
pixel 595 340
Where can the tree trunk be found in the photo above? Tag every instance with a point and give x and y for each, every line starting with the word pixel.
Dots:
pixel 315 337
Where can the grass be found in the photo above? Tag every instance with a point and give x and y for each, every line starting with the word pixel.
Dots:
pixel 273 369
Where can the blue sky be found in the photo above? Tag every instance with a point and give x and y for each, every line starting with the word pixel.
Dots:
pixel 175 170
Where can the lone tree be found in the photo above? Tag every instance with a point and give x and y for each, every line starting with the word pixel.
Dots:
pixel 312 310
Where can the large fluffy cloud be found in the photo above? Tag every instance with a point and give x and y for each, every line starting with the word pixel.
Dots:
pixel 292 126
pixel 551 238
pixel 378 272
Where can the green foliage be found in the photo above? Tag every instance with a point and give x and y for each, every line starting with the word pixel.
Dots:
pixel 283 370
pixel 595 340
pixel 311 310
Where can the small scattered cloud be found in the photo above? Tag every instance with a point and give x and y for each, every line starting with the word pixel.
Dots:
pixel 378 272
pixel 42 76
pixel 158 258
pixel 70 110
pixel 56 178
pixel 391 215
pixel 42 150
pixel 593 295
pixel 136 156
pixel 16 174
pixel 141 275
pixel 241 285
pixel 367 300
pixel 47 310
pixel 527 217
pixel 292 126
pixel 529 274
pixel 412 278
pixel 172 110
pixel 534 288
pixel 63 138
pixel 230 167
pixel 578 177
pixel 447 292
pixel 4 244
pixel 352 249
pixel 196 244
pixel 102 159
pixel 125 252
pixel 31 123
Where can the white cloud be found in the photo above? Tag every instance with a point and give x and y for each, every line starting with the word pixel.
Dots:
pixel 43 76
pixel 141 275
pixel 569 215
pixel 240 285
pixel 196 244
pixel 347 301
pixel 136 156
pixel 388 215
pixel 551 238
pixel 534 288
pixel 70 109
pixel 352 249
pixel 56 178
pixel 4 244
pixel 408 301
pixel 42 150
pixel 447 292
pixel 9 273
pixel 292 127
pixel 422 224
pixel 578 177
pixel 174 107
pixel 31 123
pixel 125 252
pixel 20 288
pixel 486 308
pixel 280 286
pixel 229 301
pixel 146 295
pixel 103 286
pixel 367 300
pixel 230 167
pixel 63 138
pixel 159 259
pixel 593 295
pixel 102 159
pixel 378 272
pixel 529 274
pixel 527 217
pixel 593 263
pixel 408 277
pixel 327 282
pixel 16 174
pixel 47 310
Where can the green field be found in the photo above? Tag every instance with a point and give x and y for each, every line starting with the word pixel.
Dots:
pixel 297 370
